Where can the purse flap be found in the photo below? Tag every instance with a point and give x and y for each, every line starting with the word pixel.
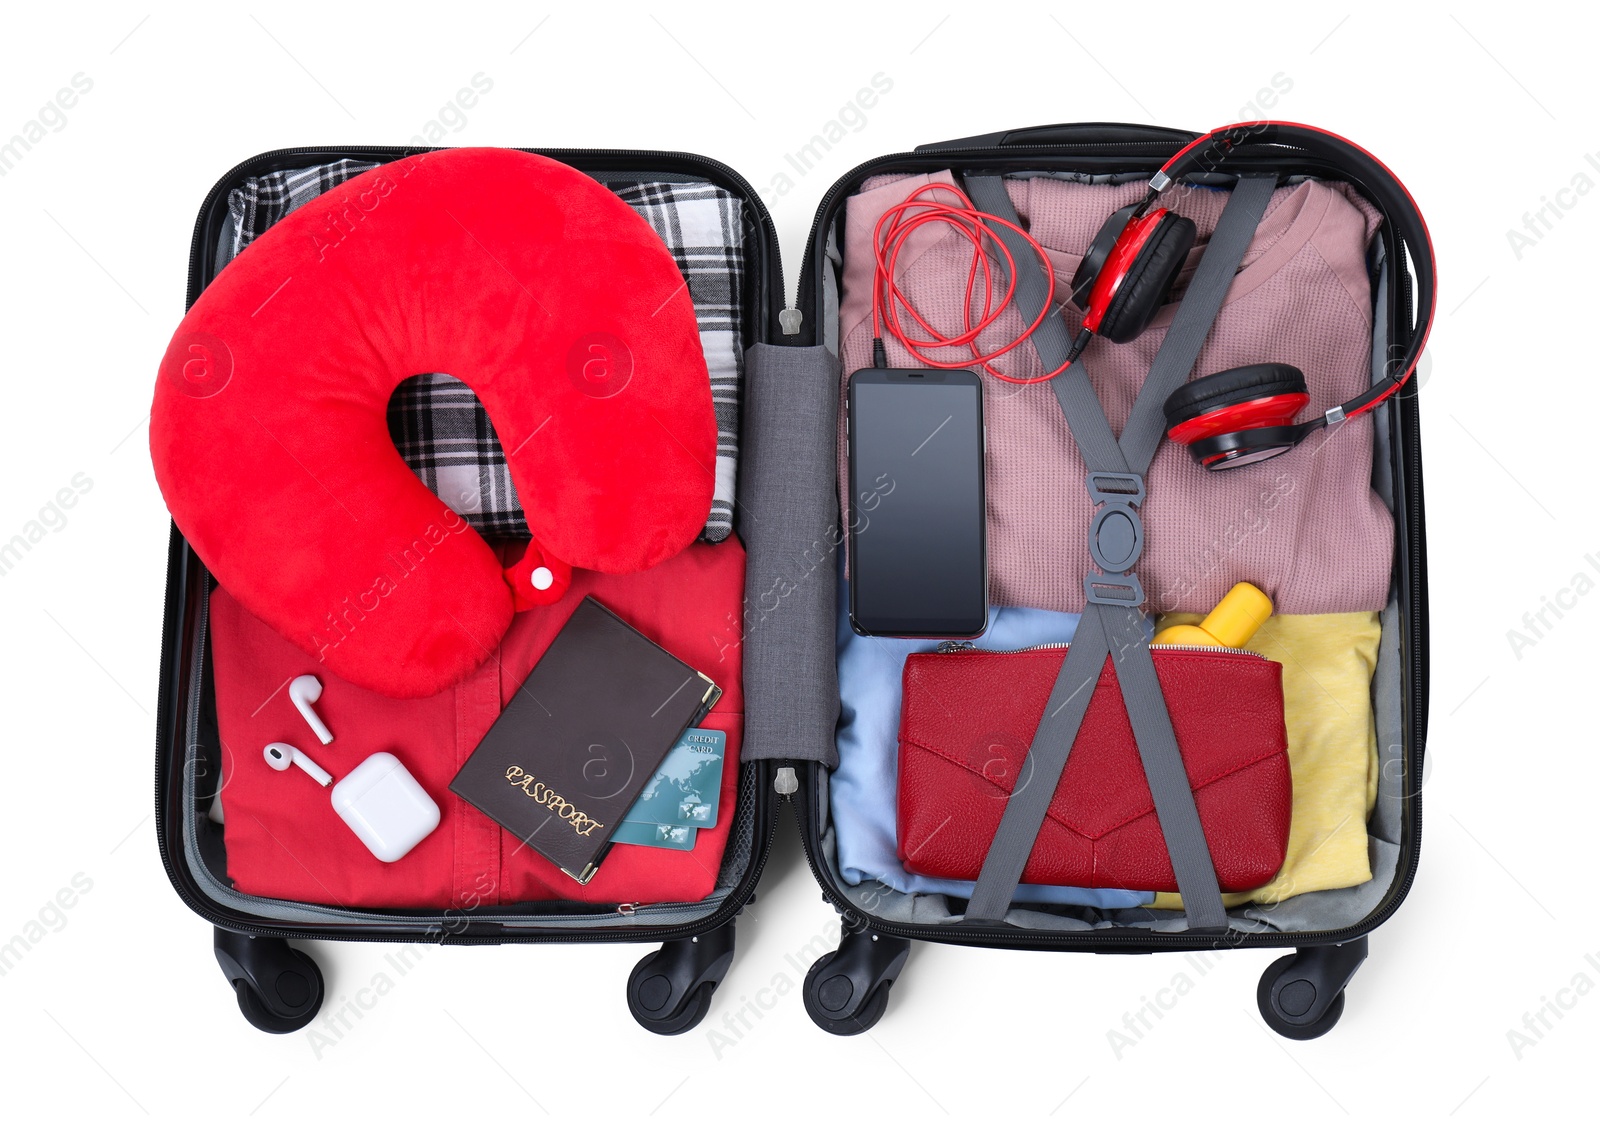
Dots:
pixel 979 711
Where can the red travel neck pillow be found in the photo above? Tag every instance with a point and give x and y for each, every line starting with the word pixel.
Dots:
pixel 529 281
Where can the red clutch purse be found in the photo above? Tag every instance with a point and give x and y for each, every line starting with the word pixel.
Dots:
pixel 967 718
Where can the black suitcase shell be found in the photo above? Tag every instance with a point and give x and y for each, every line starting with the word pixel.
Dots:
pixel 279 989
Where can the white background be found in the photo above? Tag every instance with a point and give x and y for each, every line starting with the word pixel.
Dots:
pixel 120 1012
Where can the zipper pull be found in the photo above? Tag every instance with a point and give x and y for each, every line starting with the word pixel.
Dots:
pixel 789 321
pixel 627 908
pixel 786 782
pixel 948 646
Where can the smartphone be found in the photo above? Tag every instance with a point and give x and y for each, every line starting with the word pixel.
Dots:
pixel 918 563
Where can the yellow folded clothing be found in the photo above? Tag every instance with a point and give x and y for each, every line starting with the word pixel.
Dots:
pixel 1333 749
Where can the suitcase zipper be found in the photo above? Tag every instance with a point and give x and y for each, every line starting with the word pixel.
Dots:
pixel 434 930
pixel 949 647
pixel 771 272
pixel 202 619
pixel 1140 939
pixel 1416 671
pixel 936 159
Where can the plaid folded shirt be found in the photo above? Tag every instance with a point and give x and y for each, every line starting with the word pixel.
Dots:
pixel 436 422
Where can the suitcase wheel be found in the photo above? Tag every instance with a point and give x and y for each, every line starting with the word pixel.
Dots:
pixel 669 991
pixel 279 989
pixel 847 990
pixel 1301 995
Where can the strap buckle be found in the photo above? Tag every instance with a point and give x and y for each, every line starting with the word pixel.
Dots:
pixel 1115 487
pixel 1116 537
pixel 1114 589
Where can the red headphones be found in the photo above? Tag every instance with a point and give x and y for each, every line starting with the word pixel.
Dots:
pixel 1129 269
pixel 1244 415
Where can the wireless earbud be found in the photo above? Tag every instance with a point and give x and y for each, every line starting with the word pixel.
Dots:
pixel 304 691
pixel 280 756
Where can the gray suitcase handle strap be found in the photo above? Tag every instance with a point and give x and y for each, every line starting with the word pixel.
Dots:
pixel 1112 626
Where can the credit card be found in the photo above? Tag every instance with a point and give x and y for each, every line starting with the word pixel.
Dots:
pixel 685 790
pixel 654 835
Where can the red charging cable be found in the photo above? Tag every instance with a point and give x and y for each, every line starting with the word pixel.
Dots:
pixel 889 235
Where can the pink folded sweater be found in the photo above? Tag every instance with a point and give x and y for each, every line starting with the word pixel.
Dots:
pixel 1305 527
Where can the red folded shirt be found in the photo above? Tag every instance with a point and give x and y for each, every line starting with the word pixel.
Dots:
pixel 967 719
pixel 285 841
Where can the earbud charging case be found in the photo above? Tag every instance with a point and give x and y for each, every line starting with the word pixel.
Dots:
pixel 384 806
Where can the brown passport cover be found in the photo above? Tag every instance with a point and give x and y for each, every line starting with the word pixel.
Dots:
pixel 568 756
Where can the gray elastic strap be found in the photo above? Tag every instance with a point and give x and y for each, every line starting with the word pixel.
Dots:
pixel 1041 770
pixel 1128 634
pixel 1164 769
pixel 1086 419
pixel 1123 634
pixel 1107 630
pixel 1236 227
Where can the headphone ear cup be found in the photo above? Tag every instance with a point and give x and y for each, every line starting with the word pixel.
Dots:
pixel 1231 387
pixel 1099 251
pixel 1149 280
pixel 1239 416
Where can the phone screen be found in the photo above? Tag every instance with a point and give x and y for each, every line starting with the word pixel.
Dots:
pixel 917 559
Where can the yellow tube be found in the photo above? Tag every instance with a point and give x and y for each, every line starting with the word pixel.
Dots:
pixel 1230 625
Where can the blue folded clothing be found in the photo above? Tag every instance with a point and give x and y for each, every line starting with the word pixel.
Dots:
pixel 863 787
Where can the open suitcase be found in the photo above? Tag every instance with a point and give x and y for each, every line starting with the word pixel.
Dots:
pixel 788 461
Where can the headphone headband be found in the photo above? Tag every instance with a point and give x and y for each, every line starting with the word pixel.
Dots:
pixel 1375 179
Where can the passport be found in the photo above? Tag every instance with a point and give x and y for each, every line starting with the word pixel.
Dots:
pixel 582 737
